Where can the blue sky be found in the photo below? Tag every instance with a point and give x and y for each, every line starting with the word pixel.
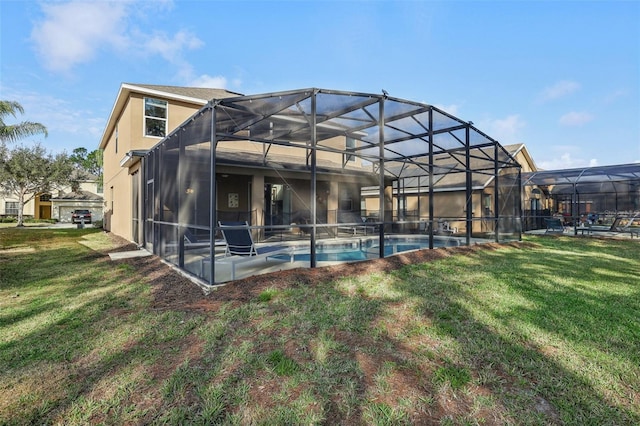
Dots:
pixel 562 77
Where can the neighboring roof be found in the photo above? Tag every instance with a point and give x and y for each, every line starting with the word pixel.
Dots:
pixel 78 196
pixel 582 175
pixel 520 148
pixel 449 172
pixel 83 176
pixel 198 96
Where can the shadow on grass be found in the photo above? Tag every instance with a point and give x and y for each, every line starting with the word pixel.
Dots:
pixel 350 357
pixel 568 305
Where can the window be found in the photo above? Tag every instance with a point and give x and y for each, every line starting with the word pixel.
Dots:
pixel 11 208
pixel 45 197
pixel 155 117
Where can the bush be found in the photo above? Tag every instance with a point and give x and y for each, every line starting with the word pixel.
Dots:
pixel 97 224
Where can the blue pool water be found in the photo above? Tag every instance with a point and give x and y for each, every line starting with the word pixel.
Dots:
pixel 363 250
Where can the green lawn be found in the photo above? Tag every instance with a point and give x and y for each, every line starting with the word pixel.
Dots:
pixel 545 333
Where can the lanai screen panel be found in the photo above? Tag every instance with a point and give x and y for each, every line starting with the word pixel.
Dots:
pixel 607 191
pixel 287 134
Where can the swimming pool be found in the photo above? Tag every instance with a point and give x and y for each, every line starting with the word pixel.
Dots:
pixel 369 248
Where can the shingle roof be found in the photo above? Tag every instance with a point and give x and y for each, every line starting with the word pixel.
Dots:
pixel 79 195
pixel 204 93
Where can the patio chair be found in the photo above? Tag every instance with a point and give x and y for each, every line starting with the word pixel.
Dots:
pixel 628 226
pixel 241 248
pixel 191 241
pixel 353 224
pixel 554 226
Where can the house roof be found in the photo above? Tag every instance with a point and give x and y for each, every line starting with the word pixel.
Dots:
pixel 584 176
pixel 449 169
pixel 198 96
pixel 78 196
pixel 204 94
pixel 520 148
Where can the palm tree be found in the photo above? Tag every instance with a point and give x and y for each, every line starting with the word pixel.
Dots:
pixel 11 133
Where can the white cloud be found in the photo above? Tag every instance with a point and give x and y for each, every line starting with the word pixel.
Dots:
pixel 504 130
pixel 69 127
pixel 171 48
pixel 615 95
pixel 217 82
pixel 75 32
pixel 575 118
pixel 450 109
pixel 72 32
pixel 565 160
pixel 559 90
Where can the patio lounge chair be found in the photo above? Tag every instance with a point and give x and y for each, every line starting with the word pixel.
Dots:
pixel 353 224
pixel 628 226
pixel 554 226
pixel 241 248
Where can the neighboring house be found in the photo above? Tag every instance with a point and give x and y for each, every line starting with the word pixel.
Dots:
pixel 58 204
pixel 141 116
pixel 449 201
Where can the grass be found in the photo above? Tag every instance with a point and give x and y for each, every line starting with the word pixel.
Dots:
pixel 547 333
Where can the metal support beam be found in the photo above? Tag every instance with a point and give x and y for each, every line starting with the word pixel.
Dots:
pixel 381 176
pixel 213 217
pixel 313 123
pixel 496 204
pixel 430 225
pixel 468 186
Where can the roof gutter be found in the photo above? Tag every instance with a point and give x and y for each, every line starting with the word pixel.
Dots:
pixel 132 157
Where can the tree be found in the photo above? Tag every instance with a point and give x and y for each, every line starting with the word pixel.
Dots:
pixel 88 162
pixel 28 171
pixel 14 132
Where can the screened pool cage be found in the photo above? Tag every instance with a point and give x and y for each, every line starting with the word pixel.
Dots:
pixel 606 197
pixel 332 176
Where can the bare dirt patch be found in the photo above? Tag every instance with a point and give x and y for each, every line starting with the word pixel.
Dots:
pixel 173 291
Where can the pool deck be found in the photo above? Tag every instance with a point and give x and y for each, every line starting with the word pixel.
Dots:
pixel 264 266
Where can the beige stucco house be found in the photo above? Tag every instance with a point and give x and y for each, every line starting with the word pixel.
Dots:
pixel 58 204
pixel 141 116
pixel 411 196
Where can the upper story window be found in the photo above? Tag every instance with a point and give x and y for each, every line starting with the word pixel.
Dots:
pixel 155 117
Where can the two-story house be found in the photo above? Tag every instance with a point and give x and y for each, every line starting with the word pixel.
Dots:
pixel 141 116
